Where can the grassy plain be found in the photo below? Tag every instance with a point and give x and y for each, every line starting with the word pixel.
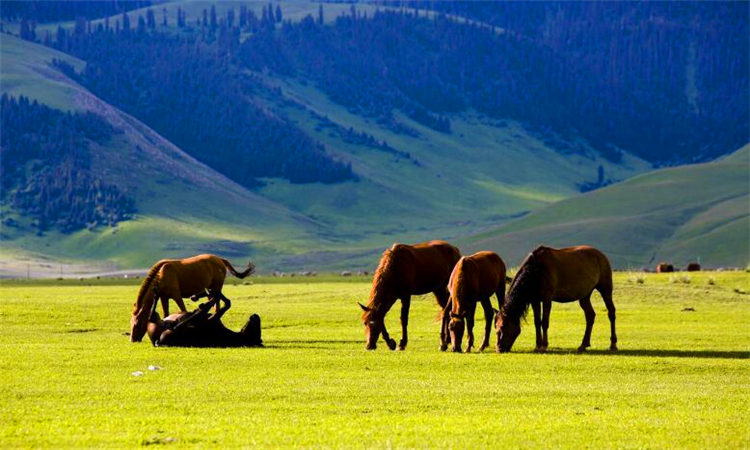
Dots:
pixel 680 380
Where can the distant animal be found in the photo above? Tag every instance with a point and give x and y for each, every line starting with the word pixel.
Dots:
pixel 663 267
pixel 177 279
pixel 693 267
pixel 560 275
pixel 346 273
pixel 407 270
pixel 474 279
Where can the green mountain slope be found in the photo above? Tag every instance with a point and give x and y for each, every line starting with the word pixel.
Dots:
pixel 483 173
pixel 682 214
pixel 184 206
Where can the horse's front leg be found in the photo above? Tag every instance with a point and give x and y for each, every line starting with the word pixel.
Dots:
pixel 536 306
pixel 387 338
pixel 488 316
pixel 444 332
pixel 405 304
pixel 470 329
pixel 546 310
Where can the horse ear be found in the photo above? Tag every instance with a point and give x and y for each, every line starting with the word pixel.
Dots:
pixel 364 308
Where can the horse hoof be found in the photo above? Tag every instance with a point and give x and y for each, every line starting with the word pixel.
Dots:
pixel 456 350
pixel 540 350
pixel 582 349
pixel 481 349
pixel 443 347
pixel 613 348
pixel 401 348
pixel 391 344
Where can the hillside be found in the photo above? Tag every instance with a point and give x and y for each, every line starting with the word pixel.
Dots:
pixel 433 193
pixel 315 140
pixel 679 215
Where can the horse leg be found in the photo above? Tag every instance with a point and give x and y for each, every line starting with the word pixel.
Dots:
pixel 387 338
pixel 488 316
pixel 470 326
pixel 180 304
pixel 588 310
pixel 444 332
pixel 607 296
pixel 443 298
pixel 546 309
pixel 405 304
pixel 538 325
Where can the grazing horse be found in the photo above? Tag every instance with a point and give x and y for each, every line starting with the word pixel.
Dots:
pixel 663 267
pixel 177 279
pixel 474 279
pixel 693 267
pixel 407 270
pixel 560 275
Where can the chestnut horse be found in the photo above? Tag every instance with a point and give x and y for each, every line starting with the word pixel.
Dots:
pixel 407 270
pixel 178 279
pixel 560 275
pixel 663 267
pixel 474 279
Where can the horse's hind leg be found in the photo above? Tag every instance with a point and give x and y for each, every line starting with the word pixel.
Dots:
pixel 607 297
pixel 588 311
pixel 405 304
pixel 489 314
pixel 546 311
pixel 470 327
pixel 443 297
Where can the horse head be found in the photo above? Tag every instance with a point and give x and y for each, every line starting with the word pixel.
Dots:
pixel 456 328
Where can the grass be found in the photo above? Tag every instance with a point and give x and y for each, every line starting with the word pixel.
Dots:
pixel 681 215
pixel 680 379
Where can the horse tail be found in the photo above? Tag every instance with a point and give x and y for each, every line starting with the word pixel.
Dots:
pixel 250 269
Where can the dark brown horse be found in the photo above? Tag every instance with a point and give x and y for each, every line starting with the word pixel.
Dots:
pixel 407 270
pixel 693 267
pixel 663 267
pixel 474 279
pixel 177 279
pixel 547 275
pixel 201 329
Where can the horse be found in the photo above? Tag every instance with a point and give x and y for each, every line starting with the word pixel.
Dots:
pixel 693 267
pixel 177 279
pixel 199 329
pixel 663 267
pixel 474 279
pixel 560 275
pixel 403 271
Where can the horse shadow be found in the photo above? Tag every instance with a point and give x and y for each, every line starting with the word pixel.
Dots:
pixel 665 353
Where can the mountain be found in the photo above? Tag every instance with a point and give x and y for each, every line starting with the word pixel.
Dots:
pixel 308 135
pixel 679 215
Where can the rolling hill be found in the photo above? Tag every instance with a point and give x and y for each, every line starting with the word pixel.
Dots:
pixel 414 181
pixel 683 214
pixel 185 207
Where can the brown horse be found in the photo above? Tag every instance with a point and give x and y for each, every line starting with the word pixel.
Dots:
pixel 693 267
pixel 407 270
pixel 178 279
pixel 663 267
pixel 547 275
pixel 474 279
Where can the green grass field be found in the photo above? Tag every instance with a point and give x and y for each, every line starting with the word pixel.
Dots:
pixel 680 380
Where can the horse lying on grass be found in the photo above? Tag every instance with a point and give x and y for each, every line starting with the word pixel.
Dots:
pixel 201 329
pixel 407 270
pixel 474 279
pixel 177 279
pixel 560 275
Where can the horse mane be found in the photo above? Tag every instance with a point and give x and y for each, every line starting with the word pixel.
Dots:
pixel 381 280
pixel 517 302
pixel 145 285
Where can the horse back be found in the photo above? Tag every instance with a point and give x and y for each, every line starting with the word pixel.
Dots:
pixel 576 271
pixel 191 276
pixel 431 266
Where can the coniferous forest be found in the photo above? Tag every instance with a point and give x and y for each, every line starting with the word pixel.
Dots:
pixel 666 81
pixel 46 166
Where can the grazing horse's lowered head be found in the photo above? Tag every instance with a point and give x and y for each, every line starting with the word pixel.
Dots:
pixel 374 322
pixel 526 285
